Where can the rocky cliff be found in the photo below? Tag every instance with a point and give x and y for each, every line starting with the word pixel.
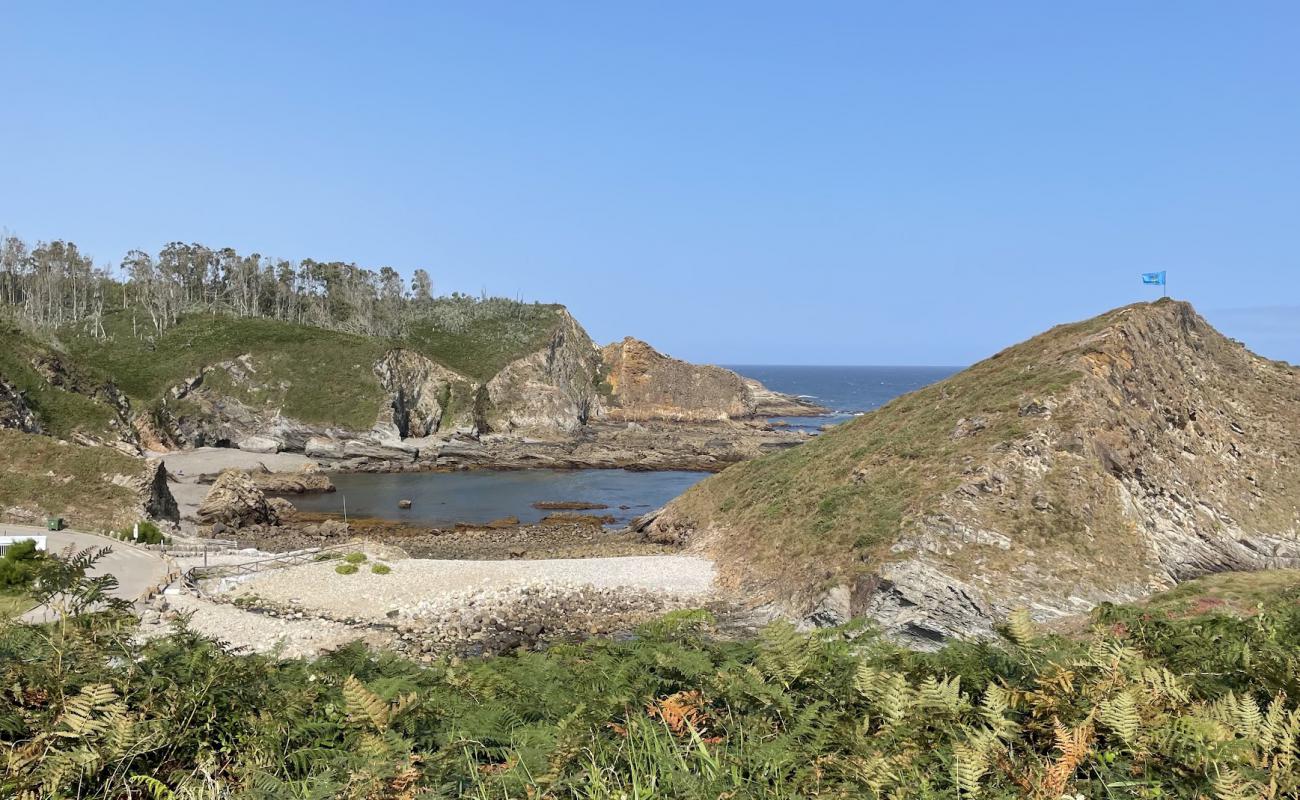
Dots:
pixel 423 396
pixel 1099 461
pixel 645 384
pixel 360 402
pixel 551 390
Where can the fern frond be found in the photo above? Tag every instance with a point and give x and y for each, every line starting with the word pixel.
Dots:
pixel 1020 628
pixel 1120 715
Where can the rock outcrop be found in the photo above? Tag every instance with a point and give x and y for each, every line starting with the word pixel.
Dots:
pixel 15 413
pixel 1097 462
pixel 648 385
pixel 553 390
pixel 235 502
pixel 155 497
pixel 423 396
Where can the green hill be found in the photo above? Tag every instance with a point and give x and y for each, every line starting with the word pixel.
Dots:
pixel 314 375
pixel 1096 461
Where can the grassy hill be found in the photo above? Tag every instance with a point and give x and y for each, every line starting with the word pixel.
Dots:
pixel 312 374
pixel 1110 456
pixel 41 477
pixel 59 410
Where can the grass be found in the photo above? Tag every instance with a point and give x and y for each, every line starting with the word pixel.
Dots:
pixel 1237 593
pixel 311 374
pixel 60 412
pixel 315 375
pixel 47 478
pixel 829 510
pixel 14 604
pixel 482 346
pixel 346 569
pixel 355 558
pixel 380 569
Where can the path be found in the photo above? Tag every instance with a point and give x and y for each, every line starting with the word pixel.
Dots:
pixel 136 570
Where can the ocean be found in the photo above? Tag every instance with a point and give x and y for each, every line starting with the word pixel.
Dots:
pixel 846 391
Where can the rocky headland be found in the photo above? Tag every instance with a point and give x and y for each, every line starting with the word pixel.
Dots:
pixel 1100 461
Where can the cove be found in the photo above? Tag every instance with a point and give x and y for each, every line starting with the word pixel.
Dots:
pixel 441 499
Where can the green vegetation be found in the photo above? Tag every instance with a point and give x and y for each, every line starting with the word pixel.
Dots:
pixel 46 478
pixel 478 337
pixel 355 558
pixel 307 324
pixel 19 565
pixel 149 533
pixel 380 569
pixel 292 362
pixel 346 569
pixel 1144 705
pixel 13 604
pixel 60 412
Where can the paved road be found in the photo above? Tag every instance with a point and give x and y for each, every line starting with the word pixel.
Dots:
pixel 136 570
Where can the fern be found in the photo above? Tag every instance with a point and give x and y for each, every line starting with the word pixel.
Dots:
pixel 783 652
pixel 943 695
pixel 1120 715
pixel 156 788
pixel 364 705
pixel 1020 628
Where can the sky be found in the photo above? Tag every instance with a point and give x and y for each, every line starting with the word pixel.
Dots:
pixel 750 182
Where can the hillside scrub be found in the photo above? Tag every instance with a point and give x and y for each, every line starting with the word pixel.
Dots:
pixel 1088 463
pixel 1144 705
pixel 154 321
pixel 44 477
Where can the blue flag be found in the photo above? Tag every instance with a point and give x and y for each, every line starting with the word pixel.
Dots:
pixel 1154 278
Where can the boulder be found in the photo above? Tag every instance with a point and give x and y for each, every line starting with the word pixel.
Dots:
pixel 281 507
pixel 237 502
pixel 155 497
pixel 259 444
pixel 324 447
pixel 305 479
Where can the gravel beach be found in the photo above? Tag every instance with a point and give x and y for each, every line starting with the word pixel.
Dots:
pixel 419 584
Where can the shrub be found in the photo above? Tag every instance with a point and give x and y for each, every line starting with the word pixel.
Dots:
pixel 380 569
pixel 330 556
pixel 346 569
pixel 1152 702
pixel 149 534
pixel 19 565
pixel 355 558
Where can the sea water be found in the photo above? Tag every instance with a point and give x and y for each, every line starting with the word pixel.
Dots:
pixel 445 498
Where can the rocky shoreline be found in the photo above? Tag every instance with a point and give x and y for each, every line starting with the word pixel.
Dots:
pixel 650 446
pixel 469 542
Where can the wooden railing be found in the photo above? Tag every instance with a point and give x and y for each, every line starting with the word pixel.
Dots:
pixel 196 574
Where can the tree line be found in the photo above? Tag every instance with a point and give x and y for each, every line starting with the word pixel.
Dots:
pixel 55 285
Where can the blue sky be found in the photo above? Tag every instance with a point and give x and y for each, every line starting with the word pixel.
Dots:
pixel 859 183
